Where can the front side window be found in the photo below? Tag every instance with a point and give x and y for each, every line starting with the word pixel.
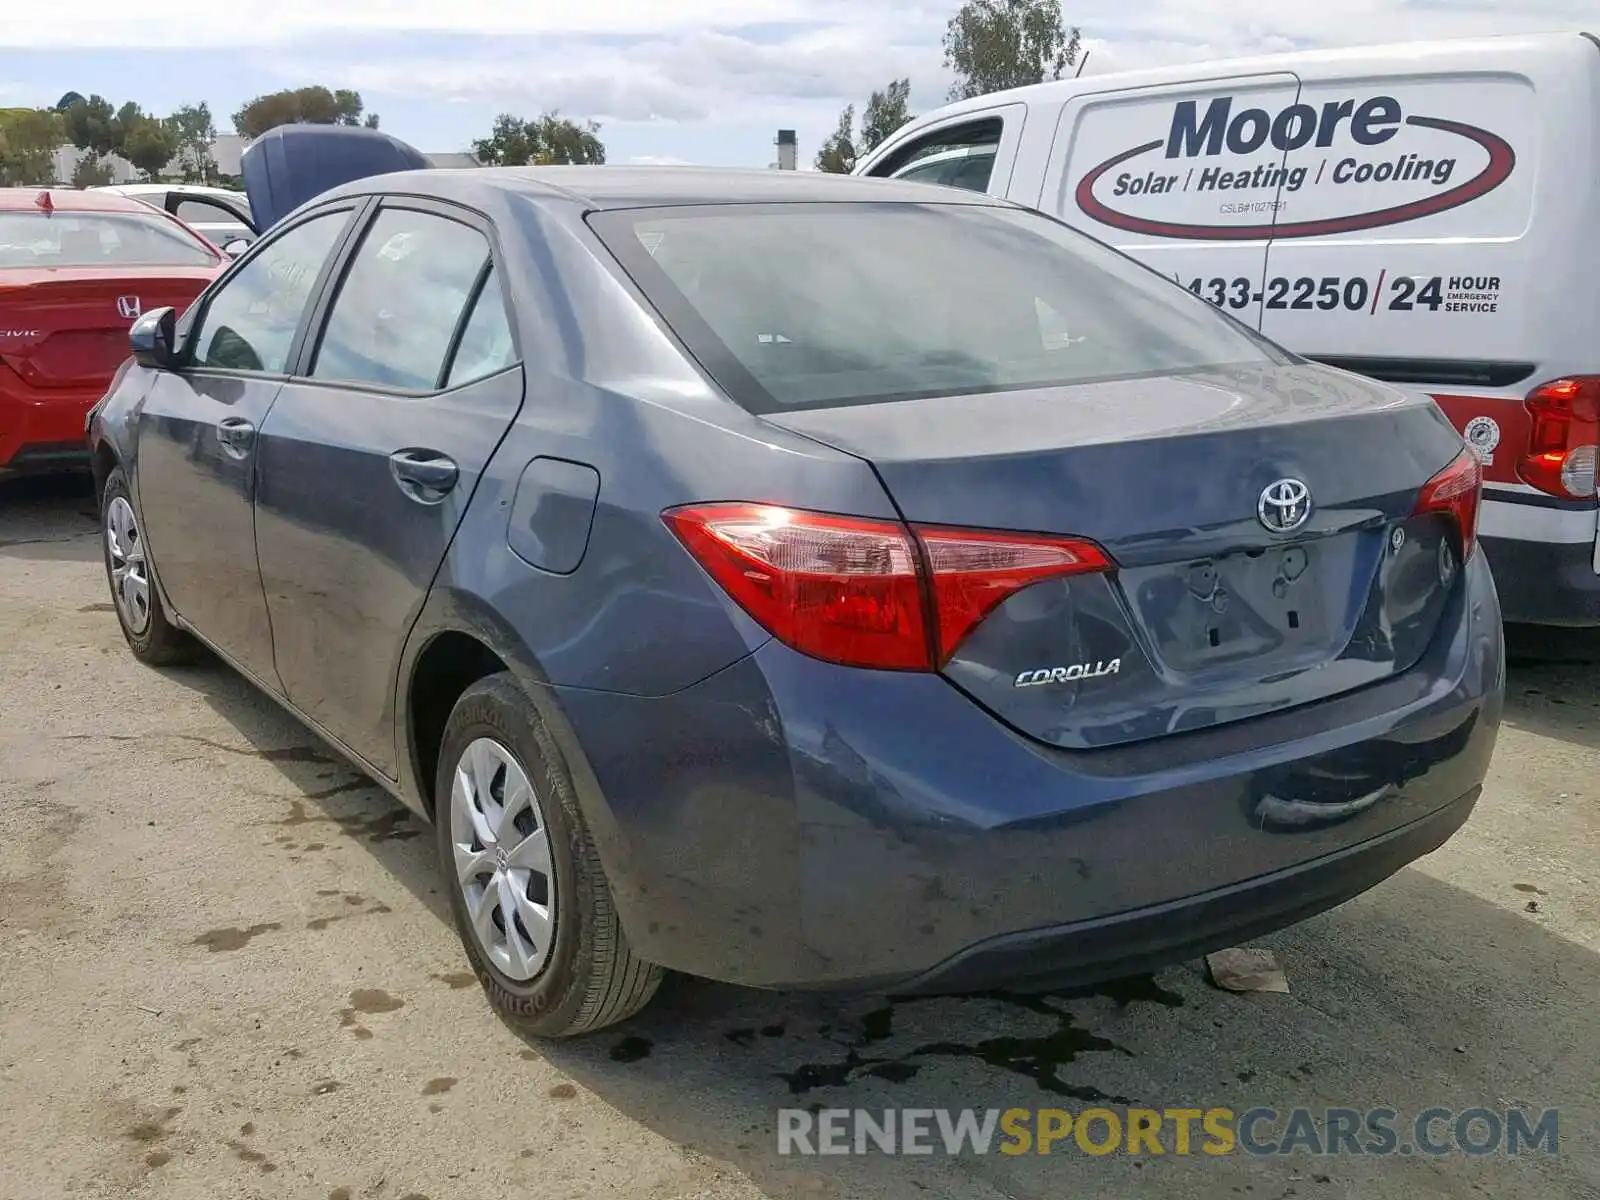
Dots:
pixel 396 311
pixel 818 305
pixel 249 323
pixel 959 155
pixel 96 239
pixel 210 213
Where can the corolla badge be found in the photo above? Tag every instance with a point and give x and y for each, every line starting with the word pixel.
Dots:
pixel 1284 505
pixel 1077 671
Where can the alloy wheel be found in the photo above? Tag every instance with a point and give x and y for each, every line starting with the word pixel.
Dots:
pixel 130 574
pixel 501 848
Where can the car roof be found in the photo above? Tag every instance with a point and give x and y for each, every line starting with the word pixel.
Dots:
pixel 159 189
pixel 605 187
pixel 28 199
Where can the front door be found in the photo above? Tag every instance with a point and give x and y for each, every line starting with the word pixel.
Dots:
pixel 197 439
pixel 370 456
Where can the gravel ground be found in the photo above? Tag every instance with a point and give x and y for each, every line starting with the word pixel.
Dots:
pixel 226 969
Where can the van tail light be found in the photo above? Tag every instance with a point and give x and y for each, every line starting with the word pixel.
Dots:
pixel 1455 492
pixel 1560 458
pixel 865 592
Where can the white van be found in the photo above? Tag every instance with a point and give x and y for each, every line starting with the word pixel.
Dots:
pixel 1426 214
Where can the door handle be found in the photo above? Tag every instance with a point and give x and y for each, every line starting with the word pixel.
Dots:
pixel 236 435
pixel 424 475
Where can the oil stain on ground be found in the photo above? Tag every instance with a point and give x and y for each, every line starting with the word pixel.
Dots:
pixel 233 938
pixel 366 1002
pixel 246 1154
pixel 1039 1058
pixel 439 1086
pixel 631 1049
pixel 395 825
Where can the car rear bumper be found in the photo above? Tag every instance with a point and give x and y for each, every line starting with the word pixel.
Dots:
pixel 1545 583
pixel 1149 938
pixel 43 431
pixel 786 823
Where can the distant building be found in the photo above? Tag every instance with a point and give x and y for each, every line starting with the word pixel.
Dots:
pixel 788 151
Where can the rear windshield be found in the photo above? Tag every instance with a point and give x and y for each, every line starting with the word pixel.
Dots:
pixel 85 239
pixel 820 305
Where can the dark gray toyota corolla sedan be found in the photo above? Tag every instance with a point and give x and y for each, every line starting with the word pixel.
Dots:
pixel 805 581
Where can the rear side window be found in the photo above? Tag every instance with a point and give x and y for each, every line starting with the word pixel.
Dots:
pixel 485 345
pixel 396 312
pixel 250 322
pixel 818 305
pixel 88 239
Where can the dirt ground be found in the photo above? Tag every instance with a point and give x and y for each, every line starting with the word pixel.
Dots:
pixel 226 969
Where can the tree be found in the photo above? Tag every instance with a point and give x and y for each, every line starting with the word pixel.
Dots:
pixel 91 172
pixel 28 141
pixel 992 45
pixel 547 139
pixel 92 125
pixel 314 105
pixel 837 154
pixel 885 112
pixel 193 131
pixel 149 144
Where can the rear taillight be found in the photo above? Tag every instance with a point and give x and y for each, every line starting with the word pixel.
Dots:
pixel 1454 493
pixel 1560 458
pixel 865 592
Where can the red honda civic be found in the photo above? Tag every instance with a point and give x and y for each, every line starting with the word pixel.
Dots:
pixel 76 269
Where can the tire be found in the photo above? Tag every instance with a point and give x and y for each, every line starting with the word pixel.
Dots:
pixel 151 635
pixel 588 977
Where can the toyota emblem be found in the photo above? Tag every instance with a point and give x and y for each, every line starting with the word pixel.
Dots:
pixel 1284 505
pixel 128 306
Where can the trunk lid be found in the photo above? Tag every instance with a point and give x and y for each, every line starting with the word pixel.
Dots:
pixel 1209 616
pixel 68 327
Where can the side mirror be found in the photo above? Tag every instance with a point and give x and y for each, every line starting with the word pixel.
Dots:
pixel 236 247
pixel 152 338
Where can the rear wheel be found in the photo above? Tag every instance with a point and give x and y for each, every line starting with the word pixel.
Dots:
pixel 153 638
pixel 530 899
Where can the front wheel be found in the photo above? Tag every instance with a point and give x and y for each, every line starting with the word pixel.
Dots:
pixel 152 637
pixel 530 899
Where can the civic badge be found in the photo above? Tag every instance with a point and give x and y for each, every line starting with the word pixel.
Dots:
pixel 1284 505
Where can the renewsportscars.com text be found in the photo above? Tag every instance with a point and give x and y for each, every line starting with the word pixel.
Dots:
pixel 1174 1131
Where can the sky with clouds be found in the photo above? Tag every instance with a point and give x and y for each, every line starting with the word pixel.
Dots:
pixel 704 81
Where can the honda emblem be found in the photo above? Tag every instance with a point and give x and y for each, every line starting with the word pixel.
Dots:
pixel 128 306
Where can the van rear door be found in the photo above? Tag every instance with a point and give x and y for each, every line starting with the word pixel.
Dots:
pixel 1403 227
pixel 1183 176
pixel 1438 231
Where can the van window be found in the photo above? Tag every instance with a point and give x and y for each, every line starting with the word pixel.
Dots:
pixel 961 155
pixel 821 305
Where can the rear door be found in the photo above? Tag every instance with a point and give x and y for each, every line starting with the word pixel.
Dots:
pixel 370 456
pixel 1188 178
